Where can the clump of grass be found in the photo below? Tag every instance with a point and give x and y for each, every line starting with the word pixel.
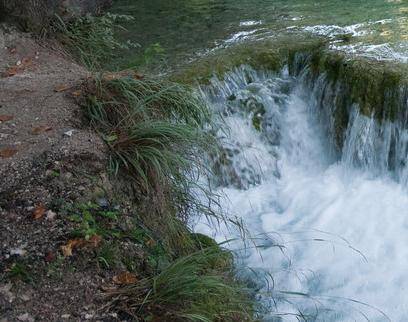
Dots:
pixel 91 39
pixel 192 288
pixel 157 137
pixel 20 271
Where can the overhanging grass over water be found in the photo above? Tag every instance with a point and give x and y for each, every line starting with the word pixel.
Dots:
pixel 157 139
pixel 316 65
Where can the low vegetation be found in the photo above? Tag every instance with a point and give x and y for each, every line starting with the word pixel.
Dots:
pixel 157 133
pixel 196 287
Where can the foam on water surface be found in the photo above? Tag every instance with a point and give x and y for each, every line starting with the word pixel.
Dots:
pixel 342 220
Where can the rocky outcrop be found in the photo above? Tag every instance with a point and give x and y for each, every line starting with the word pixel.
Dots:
pixel 35 14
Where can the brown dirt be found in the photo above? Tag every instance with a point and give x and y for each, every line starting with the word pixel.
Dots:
pixel 41 164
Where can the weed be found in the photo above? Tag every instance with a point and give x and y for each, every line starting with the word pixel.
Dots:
pixel 107 256
pixel 190 288
pixel 55 267
pixel 93 220
pixel 156 132
pixel 20 271
pixel 92 39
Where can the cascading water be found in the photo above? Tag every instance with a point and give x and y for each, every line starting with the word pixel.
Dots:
pixel 329 217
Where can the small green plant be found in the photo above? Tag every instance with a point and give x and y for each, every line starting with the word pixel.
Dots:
pixel 55 173
pixel 20 271
pixel 93 220
pixel 55 267
pixel 152 53
pixel 107 256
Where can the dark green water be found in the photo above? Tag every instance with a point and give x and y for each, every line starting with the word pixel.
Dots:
pixel 177 30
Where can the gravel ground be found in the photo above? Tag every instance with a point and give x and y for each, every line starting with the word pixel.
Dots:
pixel 47 156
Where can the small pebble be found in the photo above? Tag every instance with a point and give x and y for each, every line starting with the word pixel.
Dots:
pixel 18 252
pixel 25 317
pixel 69 133
pixel 50 215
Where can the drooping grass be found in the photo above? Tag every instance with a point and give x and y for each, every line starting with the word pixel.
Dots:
pixel 196 287
pixel 91 39
pixel 154 131
pixel 137 99
pixel 157 136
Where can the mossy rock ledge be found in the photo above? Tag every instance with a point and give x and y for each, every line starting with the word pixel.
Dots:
pixel 379 89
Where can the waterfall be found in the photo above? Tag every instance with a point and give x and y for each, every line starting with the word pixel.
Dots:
pixel 321 187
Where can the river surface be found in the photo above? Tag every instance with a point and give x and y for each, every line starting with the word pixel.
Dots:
pixel 185 29
pixel 330 225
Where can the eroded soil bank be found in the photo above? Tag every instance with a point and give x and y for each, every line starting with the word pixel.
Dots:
pixel 78 243
pixel 47 157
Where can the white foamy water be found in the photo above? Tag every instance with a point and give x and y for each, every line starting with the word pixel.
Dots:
pixel 332 226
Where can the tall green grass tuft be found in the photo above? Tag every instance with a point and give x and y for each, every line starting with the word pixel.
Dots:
pixel 157 135
pixel 91 39
pixel 196 287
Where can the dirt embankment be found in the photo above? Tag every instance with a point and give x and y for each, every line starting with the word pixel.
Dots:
pixel 36 14
pixel 47 156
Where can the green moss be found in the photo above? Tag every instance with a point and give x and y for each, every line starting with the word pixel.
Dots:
pixel 271 55
pixel 373 85
pixel 203 241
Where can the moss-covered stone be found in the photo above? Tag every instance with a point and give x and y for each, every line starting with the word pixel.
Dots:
pixel 271 55
pixel 374 85
pixel 203 241
pixel 223 261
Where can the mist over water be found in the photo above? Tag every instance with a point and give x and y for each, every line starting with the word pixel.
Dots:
pixel 333 222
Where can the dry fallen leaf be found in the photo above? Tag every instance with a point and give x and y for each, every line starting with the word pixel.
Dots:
pixel 70 246
pixel 77 93
pixel 41 129
pixel 26 61
pixel 20 66
pixel 94 241
pixel 7 152
pixel 151 243
pixel 11 71
pixel 62 88
pixel 125 278
pixel 39 212
pixel 5 118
